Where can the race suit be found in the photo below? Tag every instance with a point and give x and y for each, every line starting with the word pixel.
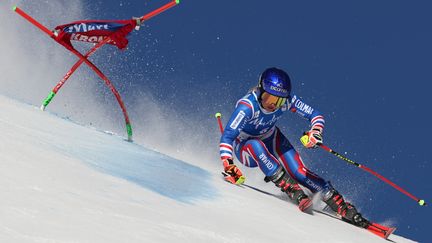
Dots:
pixel 252 135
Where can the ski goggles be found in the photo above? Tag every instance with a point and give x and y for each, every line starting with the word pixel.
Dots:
pixel 268 99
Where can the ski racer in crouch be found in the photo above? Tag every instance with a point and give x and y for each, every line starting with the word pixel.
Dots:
pixel 251 133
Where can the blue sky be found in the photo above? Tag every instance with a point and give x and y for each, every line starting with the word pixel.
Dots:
pixel 365 65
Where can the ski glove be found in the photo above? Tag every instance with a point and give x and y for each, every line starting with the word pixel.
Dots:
pixel 233 173
pixel 312 139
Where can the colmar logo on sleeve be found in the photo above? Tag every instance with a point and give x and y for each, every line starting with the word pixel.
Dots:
pixel 303 107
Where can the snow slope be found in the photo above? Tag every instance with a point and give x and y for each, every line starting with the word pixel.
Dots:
pixel 63 182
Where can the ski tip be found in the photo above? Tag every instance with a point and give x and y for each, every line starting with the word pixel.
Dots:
pixel 14 8
pixel 422 202
pixel 218 115
pixel 177 1
pixel 389 232
pixel 381 230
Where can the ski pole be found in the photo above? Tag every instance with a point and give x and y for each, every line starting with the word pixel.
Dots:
pixel 421 202
pixel 228 177
pixel 218 116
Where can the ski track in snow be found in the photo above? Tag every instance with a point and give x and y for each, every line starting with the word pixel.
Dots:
pixel 62 182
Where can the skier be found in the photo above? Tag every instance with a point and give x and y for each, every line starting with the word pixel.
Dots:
pixel 252 135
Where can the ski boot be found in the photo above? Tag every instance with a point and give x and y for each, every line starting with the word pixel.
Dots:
pixel 291 188
pixel 347 211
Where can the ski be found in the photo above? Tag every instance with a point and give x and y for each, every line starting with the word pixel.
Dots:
pixel 375 228
pixel 380 230
pixel 305 205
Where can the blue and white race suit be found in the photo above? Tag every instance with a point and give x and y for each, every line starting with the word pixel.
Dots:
pixel 252 135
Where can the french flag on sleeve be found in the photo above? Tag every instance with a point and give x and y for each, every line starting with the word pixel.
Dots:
pixel 318 122
pixel 226 151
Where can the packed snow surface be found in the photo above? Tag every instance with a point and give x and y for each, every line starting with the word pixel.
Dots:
pixel 63 182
